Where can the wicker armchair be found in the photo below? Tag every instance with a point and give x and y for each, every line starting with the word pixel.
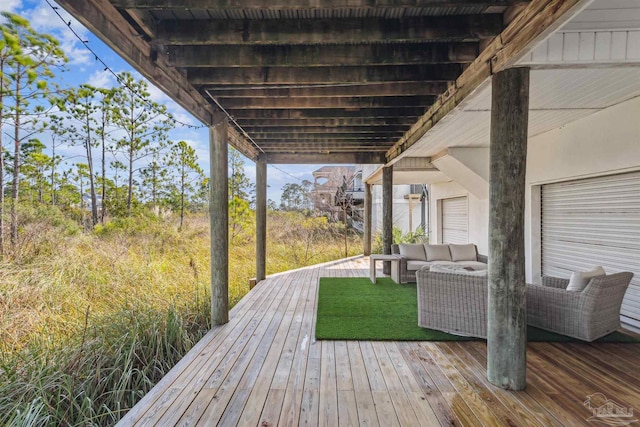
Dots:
pixel 586 315
pixel 452 303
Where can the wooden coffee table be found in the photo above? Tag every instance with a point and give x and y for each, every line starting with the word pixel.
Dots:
pixel 395 266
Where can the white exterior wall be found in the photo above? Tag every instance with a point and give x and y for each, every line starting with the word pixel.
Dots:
pixel 603 143
pixel 478 214
pixel 400 209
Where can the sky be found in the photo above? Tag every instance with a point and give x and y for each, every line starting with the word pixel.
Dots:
pixel 83 68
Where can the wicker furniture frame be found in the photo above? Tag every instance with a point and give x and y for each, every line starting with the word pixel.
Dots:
pixel 586 315
pixel 457 304
pixel 409 276
pixel 452 303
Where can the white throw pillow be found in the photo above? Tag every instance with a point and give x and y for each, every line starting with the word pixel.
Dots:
pixel 437 252
pixel 580 279
pixel 412 251
pixel 463 252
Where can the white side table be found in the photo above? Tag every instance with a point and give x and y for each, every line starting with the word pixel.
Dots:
pixel 395 266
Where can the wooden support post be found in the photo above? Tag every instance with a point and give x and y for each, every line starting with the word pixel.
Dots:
pixel 367 219
pixel 219 217
pixel 387 215
pixel 507 322
pixel 261 218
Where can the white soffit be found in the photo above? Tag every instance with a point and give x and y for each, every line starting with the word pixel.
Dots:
pixel 558 95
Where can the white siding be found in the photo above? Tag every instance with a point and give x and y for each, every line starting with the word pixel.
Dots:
pixel 591 222
pixel 455 220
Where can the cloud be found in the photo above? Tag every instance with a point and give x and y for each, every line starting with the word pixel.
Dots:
pixel 10 5
pixel 44 20
pixel 101 79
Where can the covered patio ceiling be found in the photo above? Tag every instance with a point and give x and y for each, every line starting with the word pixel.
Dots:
pixel 312 81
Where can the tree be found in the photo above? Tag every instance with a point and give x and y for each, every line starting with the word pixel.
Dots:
pixel 184 160
pixel 145 125
pixel 35 162
pixel 107 110
pixel 80 104
pixel 30 57
pixel 115 203
pixel 154 177
pixel 59 132
pixel 296 196
pixel 241 194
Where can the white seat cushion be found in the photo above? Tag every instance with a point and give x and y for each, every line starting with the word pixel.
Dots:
pixel 463 252
pixel 580 279
pixel 417 265
pixel 437 252
pixel 477 265
pixel 412 251
pixel 443 263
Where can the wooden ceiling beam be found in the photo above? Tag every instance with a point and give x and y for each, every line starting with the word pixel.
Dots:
pixel 317 103
pixel 394 123
pixel 325 157
pixel 320 75
pixel 342 136
pixel 337 149
pixel 327 31
pixel 326 130
pixel 321 55
pixel 329 113
pixel 304 5
pixel 337 91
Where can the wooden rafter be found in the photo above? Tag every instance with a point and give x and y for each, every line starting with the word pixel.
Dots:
pixel 319 75
pixel 318 31
pixel 326 130
pixel 326 157
pixel 320 55
pixel 379 113
pixel 316 103
pixel 336 91
pixel 304 5
pixel 327 123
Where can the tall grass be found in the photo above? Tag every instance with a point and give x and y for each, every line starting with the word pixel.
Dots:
pixel 90 322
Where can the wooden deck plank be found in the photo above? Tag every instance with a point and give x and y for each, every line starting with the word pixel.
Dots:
pixel 521 404
pixel 365 405
pixel 265 368
pixel 399 398
pixel 292 402
pixel 329 391
pixel 195 379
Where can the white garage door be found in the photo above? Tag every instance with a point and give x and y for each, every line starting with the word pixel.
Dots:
pixel 455 220
pixel 592 222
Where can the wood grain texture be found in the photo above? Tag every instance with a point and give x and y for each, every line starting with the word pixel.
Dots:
pixel 265 368
pixel 506 310
pixel 219 217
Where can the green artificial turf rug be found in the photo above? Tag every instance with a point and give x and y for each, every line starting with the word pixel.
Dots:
pixel 353 308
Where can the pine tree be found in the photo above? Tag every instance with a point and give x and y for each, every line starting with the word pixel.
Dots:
pixel 31 56
pixel 184 160
pixel 145 125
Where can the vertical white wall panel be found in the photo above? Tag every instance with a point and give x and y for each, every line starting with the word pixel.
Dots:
pixel 455 220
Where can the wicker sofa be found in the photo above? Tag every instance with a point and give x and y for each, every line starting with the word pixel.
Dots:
pixel 413 257
pixel 458 304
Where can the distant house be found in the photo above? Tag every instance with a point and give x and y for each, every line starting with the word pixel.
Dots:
pixel 340 188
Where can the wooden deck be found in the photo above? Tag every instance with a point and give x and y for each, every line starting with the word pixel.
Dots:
pixel 265 368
